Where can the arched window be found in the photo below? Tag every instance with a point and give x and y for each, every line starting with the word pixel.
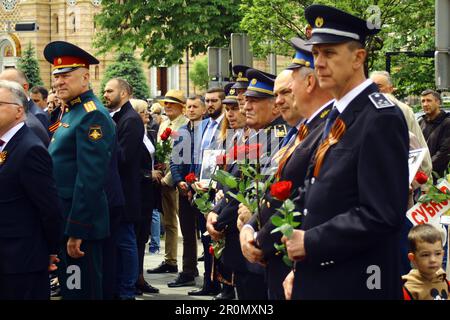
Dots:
pixel 56 23
pixel 72 23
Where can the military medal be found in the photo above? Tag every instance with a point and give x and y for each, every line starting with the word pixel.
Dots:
pixel 3 157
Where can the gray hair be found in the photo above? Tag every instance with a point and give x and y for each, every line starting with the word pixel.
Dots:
pixel 18 93
pixel 383 74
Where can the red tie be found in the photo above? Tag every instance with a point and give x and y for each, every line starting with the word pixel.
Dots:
pixel 2 142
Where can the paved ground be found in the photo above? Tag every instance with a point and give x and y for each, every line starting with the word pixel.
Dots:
pixel 160 280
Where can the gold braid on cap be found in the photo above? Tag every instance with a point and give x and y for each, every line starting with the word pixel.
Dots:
pixel 301 135
pixel 336 133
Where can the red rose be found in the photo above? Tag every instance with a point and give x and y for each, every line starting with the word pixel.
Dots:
pixel 281 190
pixel 421 177
pixel 190 178
pixel 254 151
pixel 221 159
pixel 211 250
pixel 166 134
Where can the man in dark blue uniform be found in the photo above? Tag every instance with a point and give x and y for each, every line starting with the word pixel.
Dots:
pixel 81 150
pixel 312 104
pixel 356 192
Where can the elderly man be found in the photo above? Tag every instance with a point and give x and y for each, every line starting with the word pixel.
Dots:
pixel 173 102
pixel 311 103
pixel 81 151
pixel 384 82
pixel 30 220
pixel 356 193
pixel 36 118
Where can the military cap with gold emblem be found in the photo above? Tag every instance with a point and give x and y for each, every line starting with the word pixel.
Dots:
pixel 331 25
pixel 66 57
pixel 303 56
pixel 230 94
pixel 241 78
pixel 261 84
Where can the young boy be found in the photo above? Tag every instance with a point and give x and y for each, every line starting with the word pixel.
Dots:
pixel 427 281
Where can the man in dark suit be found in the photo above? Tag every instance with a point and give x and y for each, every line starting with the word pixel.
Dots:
pixel 36 119
pixel 311 105
pixel 31 219
pixel 356 193
pixel 130 132
pixel 18 76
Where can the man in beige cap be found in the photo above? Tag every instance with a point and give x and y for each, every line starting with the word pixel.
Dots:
pixel 173 103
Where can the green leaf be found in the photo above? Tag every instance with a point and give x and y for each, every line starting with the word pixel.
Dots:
pixel 277 221
pixel 295 224
pixel 287 261
pixel 280 247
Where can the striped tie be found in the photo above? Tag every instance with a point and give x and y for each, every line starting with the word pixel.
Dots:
pixel 301 135
pixel 337 131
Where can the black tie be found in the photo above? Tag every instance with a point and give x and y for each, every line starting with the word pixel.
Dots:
pixel 291 133
pixel 330 121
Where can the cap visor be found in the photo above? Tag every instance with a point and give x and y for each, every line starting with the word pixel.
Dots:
pixel 294 66
pixel 240 85
pixel 255 94
pixel 229 101
pixel 63 70
pixel 320 38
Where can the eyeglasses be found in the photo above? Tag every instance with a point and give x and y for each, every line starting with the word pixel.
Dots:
pixel 2 103
pixel 211 100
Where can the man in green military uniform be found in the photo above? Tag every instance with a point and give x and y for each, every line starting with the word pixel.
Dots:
pixel 81 151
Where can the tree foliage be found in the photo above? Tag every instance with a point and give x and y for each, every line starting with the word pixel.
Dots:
pixel 30 66
pixel 164 29
pixel 129 68
pixel 406 26
pixel 199 73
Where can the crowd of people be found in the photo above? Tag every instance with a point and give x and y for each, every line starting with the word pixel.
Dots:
pixel 85 188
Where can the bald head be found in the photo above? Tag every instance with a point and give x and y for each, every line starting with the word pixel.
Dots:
pixel 15 75
pixel 285 98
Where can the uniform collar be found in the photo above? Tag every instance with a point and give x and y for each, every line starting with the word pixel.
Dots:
pixel 78 100
pixel 343 103
pixel 319 111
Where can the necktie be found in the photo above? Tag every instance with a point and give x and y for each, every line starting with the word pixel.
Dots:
pixel 329 123
pixel 290 134
pixel 207 139
pixel 2 142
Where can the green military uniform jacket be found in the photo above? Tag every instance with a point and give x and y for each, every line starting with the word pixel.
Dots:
pixel 81 151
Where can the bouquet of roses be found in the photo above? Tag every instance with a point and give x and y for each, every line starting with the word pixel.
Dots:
pixel 164 148
pixel 250 185
pixel 284 223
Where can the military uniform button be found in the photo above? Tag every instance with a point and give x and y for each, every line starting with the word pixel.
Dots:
pixel 313 180
pixel 332 262
pixel 305 212
pixel 322 264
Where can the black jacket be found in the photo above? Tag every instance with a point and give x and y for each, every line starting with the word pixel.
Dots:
pixel 437 135
pixel 130 133
pixel 30 210
pixel 354 210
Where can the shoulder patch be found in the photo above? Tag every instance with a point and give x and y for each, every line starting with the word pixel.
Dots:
pixel 380 101
pixel 90 106
pixel 95 133
pixel 280 131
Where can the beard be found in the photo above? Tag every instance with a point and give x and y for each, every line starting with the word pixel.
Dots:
pixel 215 113
pixel 114 103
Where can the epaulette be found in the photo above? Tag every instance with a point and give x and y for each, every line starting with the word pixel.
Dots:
pixel 280 130
pixel 90 106
pixel 381 101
